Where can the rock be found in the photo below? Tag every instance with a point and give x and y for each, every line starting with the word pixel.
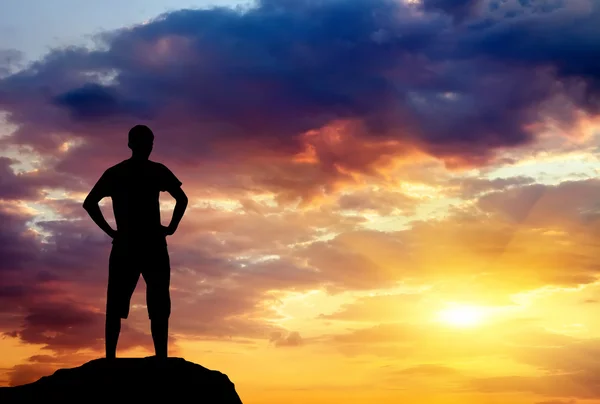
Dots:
pixel 128 379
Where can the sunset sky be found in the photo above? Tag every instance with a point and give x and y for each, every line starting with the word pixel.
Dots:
pixel 391 201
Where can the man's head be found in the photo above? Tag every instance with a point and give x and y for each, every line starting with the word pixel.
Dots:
pixel 141 140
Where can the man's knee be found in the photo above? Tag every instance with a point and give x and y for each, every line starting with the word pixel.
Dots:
pixel 116 309
pixel 158 296
pixel 159 310
pixel 113 322
pixel 159 316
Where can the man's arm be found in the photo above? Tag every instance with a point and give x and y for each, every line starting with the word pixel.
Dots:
pixel 181 202
pixel 93 209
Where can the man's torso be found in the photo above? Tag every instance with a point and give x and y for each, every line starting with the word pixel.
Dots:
pixel 135 192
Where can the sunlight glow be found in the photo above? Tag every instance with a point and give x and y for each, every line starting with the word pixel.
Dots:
pixel 462 316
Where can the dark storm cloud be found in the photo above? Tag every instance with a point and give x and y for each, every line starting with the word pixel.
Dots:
pixel 219 76
pixel 96 101
pixel 530 37
pixel 457 8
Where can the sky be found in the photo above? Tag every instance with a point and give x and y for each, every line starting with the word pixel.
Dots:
pixel 390 200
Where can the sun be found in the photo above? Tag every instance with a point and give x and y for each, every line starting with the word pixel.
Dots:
pixel 462 315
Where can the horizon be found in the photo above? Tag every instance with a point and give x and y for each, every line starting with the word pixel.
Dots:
pixel 389 200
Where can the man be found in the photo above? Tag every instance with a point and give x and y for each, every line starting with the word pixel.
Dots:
pixel 139 244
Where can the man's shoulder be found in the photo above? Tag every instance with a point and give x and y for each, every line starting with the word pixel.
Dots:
pixel 117 167
pixel 166 177
pixel 158 166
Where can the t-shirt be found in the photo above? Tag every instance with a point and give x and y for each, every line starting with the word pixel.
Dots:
pixel 134 186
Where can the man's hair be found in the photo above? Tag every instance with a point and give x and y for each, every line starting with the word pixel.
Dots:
pixel 140 134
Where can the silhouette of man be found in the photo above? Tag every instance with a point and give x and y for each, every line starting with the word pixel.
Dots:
pixel 139 244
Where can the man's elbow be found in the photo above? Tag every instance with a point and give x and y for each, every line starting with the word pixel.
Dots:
pixel 181 198
pixel 88 205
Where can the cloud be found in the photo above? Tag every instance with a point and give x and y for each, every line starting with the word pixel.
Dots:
pixel 66 327
pixel 227 264
pixel 31 185
pixel 381 202
pixel 384 308
pixel 93 100
pixel 457 8
pixel 427 370
pixel 566 205
pixel 520 339
pixel 233 89
pixel 579 385
pixel 535 23
pixel 27 373
pixel 292 339
pixel 468 188
pixel 37 366
pixel 382 333
pixel 18 245
pixel 566 367
pixel 53 292
pixel 557 402
pixel 10 60
pixel 334 105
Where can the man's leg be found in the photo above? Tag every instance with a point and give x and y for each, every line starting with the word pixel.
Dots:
pixel 122 280
pixel 158 278
pixel 160 336
pixel 111 335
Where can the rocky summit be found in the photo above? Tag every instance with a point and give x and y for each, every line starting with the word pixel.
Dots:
pixel 128 379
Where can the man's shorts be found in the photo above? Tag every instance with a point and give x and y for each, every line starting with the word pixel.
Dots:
pixel 126 263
